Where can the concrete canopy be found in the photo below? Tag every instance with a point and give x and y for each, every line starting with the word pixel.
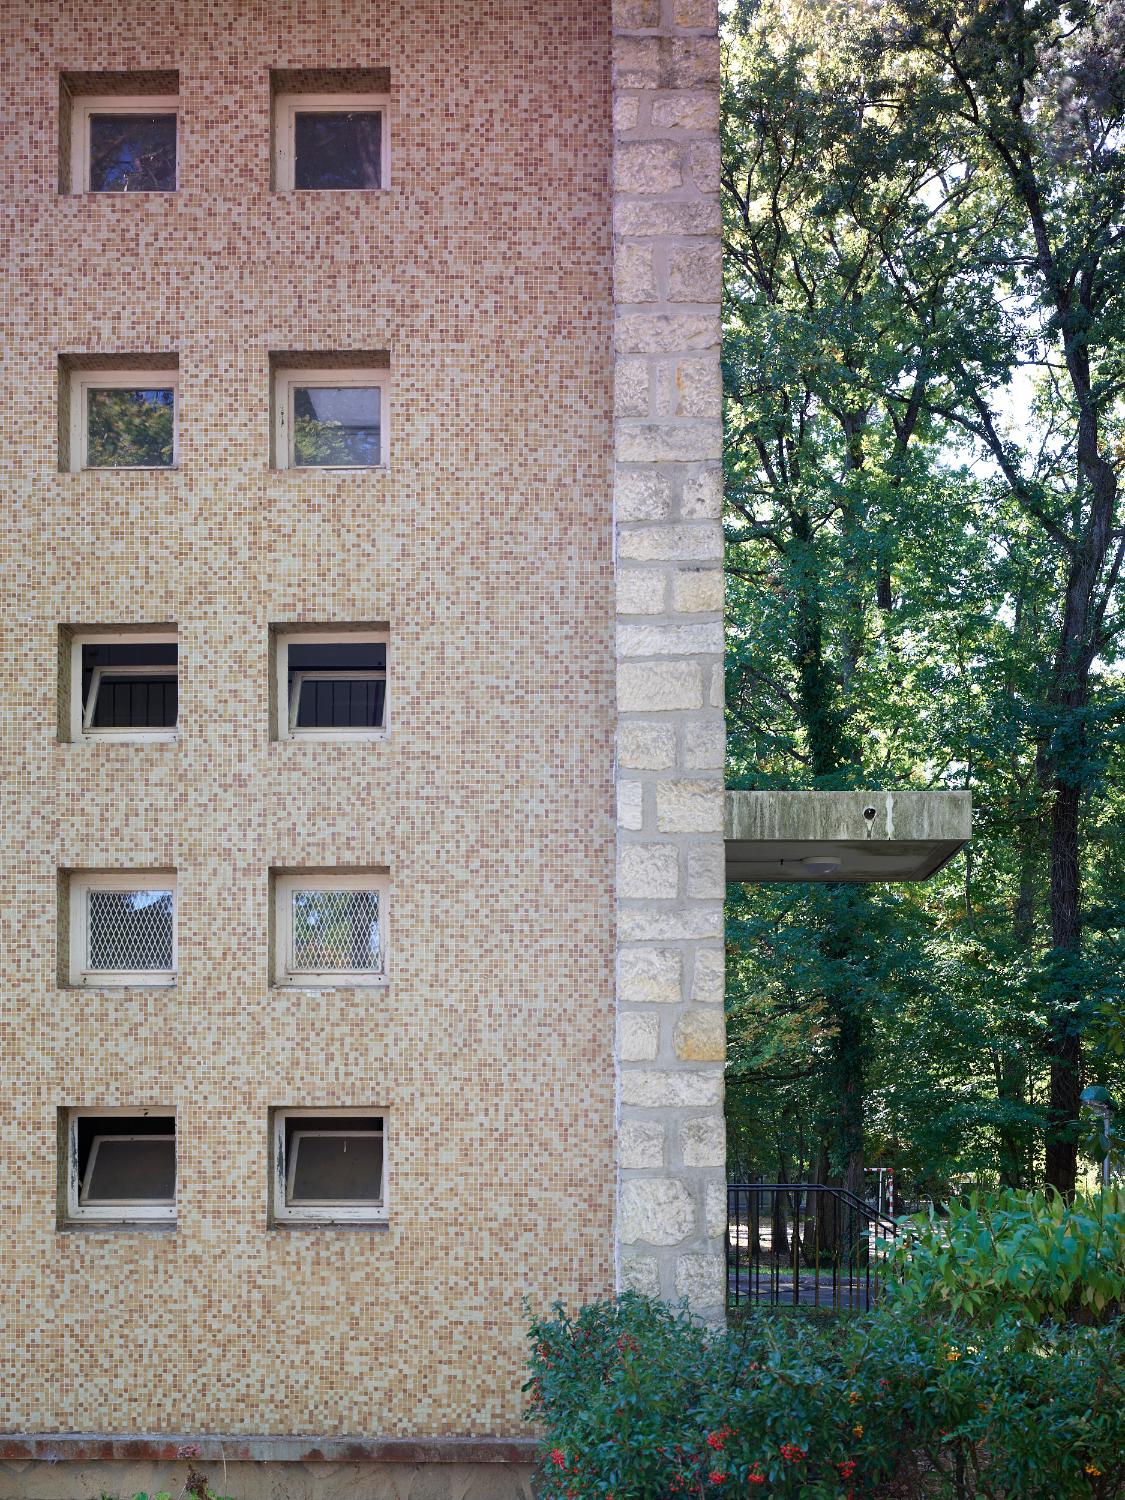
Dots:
pixel 859 837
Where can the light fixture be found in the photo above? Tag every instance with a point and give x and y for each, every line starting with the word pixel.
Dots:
pixel 821 864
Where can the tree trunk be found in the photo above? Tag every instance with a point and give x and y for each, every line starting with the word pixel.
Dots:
pixel 1010 1067
pixel 829 750
pixel 779 1236
pixel 1070 695
pixel 814 1208
pixel 1070 698
pixel 1011 1083
pixel 814 687
pixel 791 1209
pixel 849 1069
pixel 1065 1037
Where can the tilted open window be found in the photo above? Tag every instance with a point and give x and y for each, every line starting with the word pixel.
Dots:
pixel 329 1166
pixel 331 684
pixel 124 686
pixel 120 1166
pixel 330 929
pixel 122 927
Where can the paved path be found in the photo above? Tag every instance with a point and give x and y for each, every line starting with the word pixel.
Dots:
pixel 848 1293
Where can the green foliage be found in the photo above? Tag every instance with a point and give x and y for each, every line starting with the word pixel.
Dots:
pixel 332 444
pixel 906 505
pixel 1029 1254
pixel 206 1494
pixel 195 1486
pixel 639 1402
pixel 200 1494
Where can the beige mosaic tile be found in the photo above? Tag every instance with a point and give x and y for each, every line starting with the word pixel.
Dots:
pixel 485 272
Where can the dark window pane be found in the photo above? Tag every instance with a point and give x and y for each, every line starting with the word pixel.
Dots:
pixel 336 425
pixel 338 656
pixel 340 703
pixel 343 1167
pixel 129 428
pixel 123 1169
pixel 132 693
pixel 132 153
pixel 327 696
pixel 89 1127
pixel 338 149
pixel 134 702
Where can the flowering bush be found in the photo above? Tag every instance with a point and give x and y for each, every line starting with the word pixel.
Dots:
pixel 1030 1252
pixel 640 1402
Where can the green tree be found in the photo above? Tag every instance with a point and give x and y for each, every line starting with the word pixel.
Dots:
pixel 1022 109
pixel 828 480
pixel 922 360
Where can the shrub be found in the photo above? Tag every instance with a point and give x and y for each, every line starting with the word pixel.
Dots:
pixel 195 1485
pixel 1031 1253
pixel 640 1402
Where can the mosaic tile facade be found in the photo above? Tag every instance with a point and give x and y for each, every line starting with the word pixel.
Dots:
pixel 485 274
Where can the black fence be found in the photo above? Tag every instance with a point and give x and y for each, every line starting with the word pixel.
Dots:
pixel 802 1245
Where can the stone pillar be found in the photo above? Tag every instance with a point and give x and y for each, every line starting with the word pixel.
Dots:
pixel 670 738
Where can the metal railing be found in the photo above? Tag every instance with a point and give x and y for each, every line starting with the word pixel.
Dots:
pixel 798 1244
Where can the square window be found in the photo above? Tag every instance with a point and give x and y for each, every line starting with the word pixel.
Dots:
pixel 124 145
pixel 329 1166
pixel 330 419
pixel 331 685
pixel 124 687
pixel 331 142
pixel 123 928
pixel 120 1166
pixel 330 929
pixel 123 419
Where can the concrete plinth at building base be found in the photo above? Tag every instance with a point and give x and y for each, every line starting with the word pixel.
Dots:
pixel 87 1467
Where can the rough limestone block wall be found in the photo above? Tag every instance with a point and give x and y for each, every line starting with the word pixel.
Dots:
pixel 670 744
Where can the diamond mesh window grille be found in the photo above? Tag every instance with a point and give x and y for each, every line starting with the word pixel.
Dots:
pixel 336 930
pixel 130 930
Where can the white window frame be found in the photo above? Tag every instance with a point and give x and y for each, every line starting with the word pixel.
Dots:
pixel 80 886
pixel 127 1212
pixel 286 108
pixel 286 383
pixel 83 381
pixel 85 105
pixel 287 708
pixel 325 880
pixel 81 711
pixel 323 1212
